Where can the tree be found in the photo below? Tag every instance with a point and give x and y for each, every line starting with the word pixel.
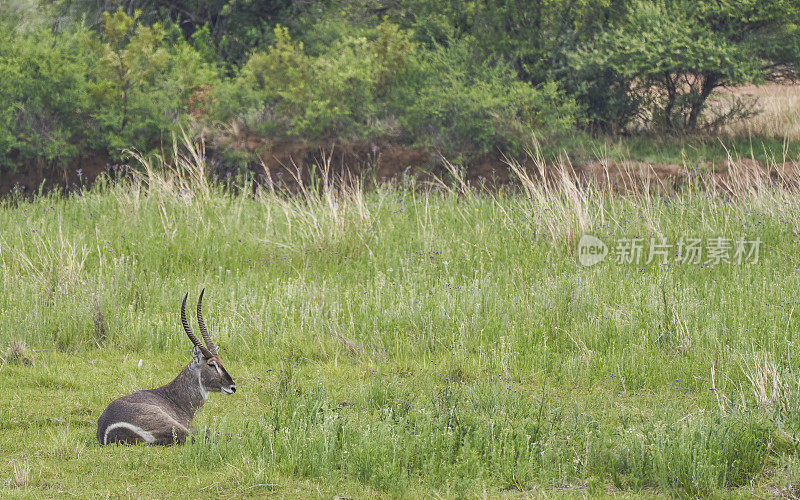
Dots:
pixel 44 105
pixel 535 38
pixel 674 53
pixel 234 27
pixel 143 81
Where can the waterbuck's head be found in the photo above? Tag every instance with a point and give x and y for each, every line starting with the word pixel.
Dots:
pixel 205 358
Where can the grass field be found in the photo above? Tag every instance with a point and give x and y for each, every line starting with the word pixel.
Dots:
pixel 410 341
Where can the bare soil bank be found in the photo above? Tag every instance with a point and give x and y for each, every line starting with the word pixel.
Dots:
pixel 386 163
pixel 31 179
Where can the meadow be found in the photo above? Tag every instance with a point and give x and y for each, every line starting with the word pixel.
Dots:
pixel 412 339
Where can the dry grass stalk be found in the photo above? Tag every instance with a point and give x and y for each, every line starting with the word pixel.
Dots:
pixel 183 174
pixel 99 331
pixel 560 206
pixel 326 206
pixel 459 181
pixel 17 354
pixel 772 386
pixel 52 261
pixel 21 472
pixel 353 348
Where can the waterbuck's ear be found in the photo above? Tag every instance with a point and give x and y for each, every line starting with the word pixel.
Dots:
pixel 197 356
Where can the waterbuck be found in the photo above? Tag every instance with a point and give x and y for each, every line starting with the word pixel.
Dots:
pixel 163 415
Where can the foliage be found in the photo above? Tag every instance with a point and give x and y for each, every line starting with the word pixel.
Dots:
pixel 233 28
pixel 459 105
pixel 24 15
pixel 534 38
pixel 465 77
pixel 382 85
pixel 673 54
pixel 64 95
pixel 143 82
pixel 531 36
pixel 45 109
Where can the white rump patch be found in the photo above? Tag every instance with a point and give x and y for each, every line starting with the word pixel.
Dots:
pixel 133 428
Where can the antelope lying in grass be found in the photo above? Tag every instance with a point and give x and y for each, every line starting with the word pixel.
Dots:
pixel 163 415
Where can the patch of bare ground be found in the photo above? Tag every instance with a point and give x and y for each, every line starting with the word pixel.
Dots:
pixel 375 162
pixel 29 179
pixel 626 176
pixel 283 164
pixel 747 173
pixel 730 175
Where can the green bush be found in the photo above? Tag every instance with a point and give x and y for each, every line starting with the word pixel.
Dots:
pixel 285 92
pixel 535 39
pixel 673 54
pixel 64 95
pixel 451 102
pixel 464 77
pixel 231 28
pixel 145 80
pixel 45 108
pixel 381 85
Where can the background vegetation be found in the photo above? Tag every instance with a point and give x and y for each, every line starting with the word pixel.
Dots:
pixel 465 78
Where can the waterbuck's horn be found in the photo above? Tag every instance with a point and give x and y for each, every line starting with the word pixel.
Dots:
pixel 188 330
pixel 203 330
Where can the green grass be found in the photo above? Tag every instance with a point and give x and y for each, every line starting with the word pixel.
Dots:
pixel 404 342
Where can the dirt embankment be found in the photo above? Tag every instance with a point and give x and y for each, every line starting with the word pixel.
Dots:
pixel 375 162
pixel 29 180
pixel 380 163
pixel 730 175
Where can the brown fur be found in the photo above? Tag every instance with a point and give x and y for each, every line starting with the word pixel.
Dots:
pixel 166 412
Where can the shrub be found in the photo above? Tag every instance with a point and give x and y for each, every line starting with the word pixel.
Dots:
pixel 65 94
pixel 454 103
pixel 382 85
pixel 45 110
pixel 144 82
pixel 284 91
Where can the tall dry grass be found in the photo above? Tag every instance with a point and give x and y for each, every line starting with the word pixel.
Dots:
pixel 183 173
pixel 560 207
pixel 776 106
pixel 328 208
pixel 329 205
